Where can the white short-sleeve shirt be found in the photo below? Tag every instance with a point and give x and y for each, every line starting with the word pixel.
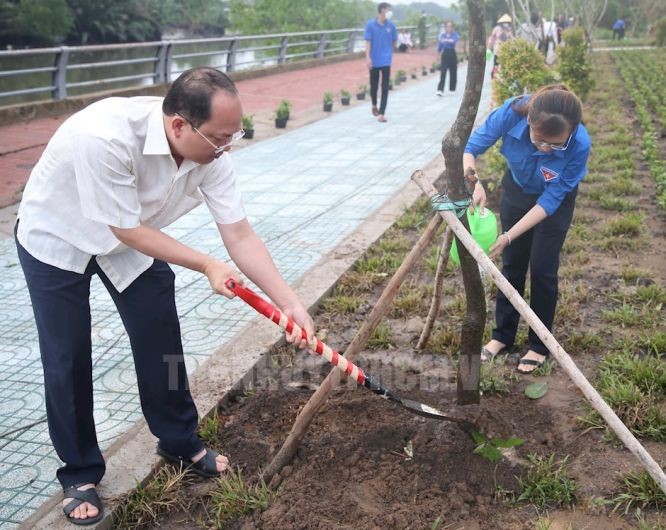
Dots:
pixel 110 165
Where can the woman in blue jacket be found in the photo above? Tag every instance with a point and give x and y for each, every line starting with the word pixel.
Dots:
pixel 448 58
pixel 546 147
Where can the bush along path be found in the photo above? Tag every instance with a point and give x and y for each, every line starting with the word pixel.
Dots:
pixel 644 74
pixel 547 463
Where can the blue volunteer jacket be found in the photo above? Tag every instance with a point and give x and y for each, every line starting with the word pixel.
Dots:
pixel 550 175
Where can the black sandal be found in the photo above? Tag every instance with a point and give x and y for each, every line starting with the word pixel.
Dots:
pixel 531 362
pixel 487 355
pixel 78 498
pixel 206 466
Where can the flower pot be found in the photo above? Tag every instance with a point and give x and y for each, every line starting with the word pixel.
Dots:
pixel 360 95
pixel 424 72
pixel 403 78
pixel 413 76
pixel 432 70
pixel 249 134
pixel 328 107
pixel 281 123
pixel 344 101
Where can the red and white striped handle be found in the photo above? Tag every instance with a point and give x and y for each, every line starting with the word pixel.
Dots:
pixel 271 312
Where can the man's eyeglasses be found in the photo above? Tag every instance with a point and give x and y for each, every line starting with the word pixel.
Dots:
pixel 554 147
pixel 218 148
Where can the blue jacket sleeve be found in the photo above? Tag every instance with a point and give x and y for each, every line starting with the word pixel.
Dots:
pixel 489 131
pixel 572 174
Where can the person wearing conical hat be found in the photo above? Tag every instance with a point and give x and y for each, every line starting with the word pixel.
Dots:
pixel 501 33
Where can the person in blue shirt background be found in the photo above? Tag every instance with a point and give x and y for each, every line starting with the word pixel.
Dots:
pixel 546 147
pixel 380 36
pixel 618 29
pixel 448 58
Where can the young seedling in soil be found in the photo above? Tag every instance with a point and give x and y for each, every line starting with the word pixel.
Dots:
pixel 639 490
pixel 546 484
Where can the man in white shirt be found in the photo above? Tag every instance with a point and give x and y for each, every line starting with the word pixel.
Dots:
pixel 111 177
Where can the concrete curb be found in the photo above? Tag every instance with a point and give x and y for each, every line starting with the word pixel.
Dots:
pixel 132 457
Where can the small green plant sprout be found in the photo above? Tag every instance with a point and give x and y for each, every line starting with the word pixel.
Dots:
pixel 247 122
pixel 234 496
pixel 362 89
pixel 286 104
pixel 491 448
pixel 282 111
pixel 344 94
pixel 328 97
pixel 402 75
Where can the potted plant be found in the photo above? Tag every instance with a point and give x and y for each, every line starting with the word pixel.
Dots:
pixel 402 75
pixel 424 70
pixel 281 115
pixel 360 92
pixel 434 67
pixel 328 101
pixel 414 73
pixel 397 80
pixel 248 126
pixel 345 97
pixel 286 104
pixel 390 84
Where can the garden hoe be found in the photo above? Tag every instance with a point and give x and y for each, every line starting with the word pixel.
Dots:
pixel 271 312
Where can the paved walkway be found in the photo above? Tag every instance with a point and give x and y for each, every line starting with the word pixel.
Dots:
pixel 304 191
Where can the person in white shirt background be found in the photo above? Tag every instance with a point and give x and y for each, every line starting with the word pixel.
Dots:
pixel 111 177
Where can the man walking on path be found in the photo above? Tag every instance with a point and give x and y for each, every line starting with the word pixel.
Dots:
pixel 380 36
pixel 112 176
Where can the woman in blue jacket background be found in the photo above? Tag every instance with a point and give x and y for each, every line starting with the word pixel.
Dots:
pixel 546 147
pixel 448 58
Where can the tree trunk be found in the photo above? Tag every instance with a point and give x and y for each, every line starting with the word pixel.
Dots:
pixel 453 144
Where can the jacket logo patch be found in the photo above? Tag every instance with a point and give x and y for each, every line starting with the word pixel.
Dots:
pixel 549 174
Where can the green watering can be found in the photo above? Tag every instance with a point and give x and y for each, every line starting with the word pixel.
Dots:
pixel 483 229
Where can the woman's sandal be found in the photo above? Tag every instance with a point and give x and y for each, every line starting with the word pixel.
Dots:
pixel 78 498
pixel 206 466
pixel 487 355
pixel 531 362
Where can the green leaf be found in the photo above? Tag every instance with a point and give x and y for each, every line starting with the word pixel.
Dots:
pixel 479 438
pixel 536 390
pixel 508 443
pixel 488 452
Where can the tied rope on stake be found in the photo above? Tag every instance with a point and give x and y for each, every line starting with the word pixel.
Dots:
pixel 272 313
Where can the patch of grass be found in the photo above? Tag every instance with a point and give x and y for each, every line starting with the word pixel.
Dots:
pixel 495 378
pixel 624 316
pixel 652 294
pixel 634 387
pixel 445 340
pixel 357 282
pixel 340 304
pixel 381 338
pixel 146 504
pixel 379 265
pixel 616 244
pixel 583 342
pixel 546 484
pixel 410 301
pixel 410 219
pixel 639 490
pixel 392 243
pixel 621 187
pixel 653 344
pixel 630 225
pixel 616 204
pixel 631 274
pixel 234 497
pixel 545 369
pixel 209 427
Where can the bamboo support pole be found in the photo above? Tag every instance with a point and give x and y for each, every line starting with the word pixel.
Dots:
pixel 314 404
pixel 561 356
pixel 437 291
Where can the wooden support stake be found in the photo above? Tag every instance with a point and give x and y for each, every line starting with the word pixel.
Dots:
pixel 310 409
pixel 561 356
pixel 437 291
